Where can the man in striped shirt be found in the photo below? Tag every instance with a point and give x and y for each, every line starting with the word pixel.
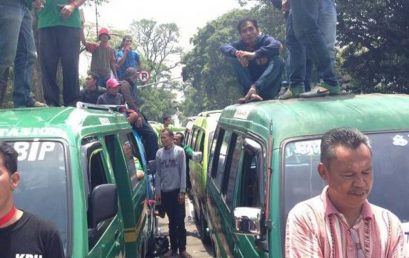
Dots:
pixel 340 222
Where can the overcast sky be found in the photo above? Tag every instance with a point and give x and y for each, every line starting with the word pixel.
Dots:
pixel 187 14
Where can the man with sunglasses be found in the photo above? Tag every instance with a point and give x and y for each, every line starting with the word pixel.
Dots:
pixel 341 222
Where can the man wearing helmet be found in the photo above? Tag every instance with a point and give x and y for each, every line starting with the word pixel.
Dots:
pixel 103 57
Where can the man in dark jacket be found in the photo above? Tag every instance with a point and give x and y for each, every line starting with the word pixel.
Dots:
pixel 136 118
pixel 256 61
pixel 91 91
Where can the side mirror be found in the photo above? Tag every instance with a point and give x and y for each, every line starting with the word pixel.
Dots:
pixel 103 204
pixel 247 220
pixel 151 167
pixel 197 156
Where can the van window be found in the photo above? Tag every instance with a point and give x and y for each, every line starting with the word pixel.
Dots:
pixel 222 158
pixel 43 186
pixel 214 154
pixel 96 175
pixel 199 141
pixel 194 136
pixel 390 168
pixel 251 186
pixel 133 163
pixel 231 174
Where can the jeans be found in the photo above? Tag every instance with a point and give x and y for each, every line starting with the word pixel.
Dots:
pixel 17 45
pixel 149 139
pixel 267 84
pixel 305 33
pixel 176 214
pixel 60 44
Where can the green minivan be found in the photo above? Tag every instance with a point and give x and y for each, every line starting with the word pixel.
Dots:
pixel 199 139
pixel 83 170
pixel 264 159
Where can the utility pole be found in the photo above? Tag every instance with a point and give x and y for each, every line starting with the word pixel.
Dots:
pixel 96 17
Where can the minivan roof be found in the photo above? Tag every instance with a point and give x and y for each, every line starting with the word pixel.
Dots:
pixel 58 122
pixel 307 117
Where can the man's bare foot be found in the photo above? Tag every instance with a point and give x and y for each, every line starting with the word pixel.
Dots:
pixel 254 97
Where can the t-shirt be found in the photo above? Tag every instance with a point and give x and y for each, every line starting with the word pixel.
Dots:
pixel 170 169
pixel 30 237
pixel 88 96
pixel 132 60
pixel 49 16
pixel 101 59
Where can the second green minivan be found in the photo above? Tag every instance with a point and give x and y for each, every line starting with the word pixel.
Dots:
pixel 264 159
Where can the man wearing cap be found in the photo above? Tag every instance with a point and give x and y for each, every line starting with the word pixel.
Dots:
pixel 103 57
pixel 112 96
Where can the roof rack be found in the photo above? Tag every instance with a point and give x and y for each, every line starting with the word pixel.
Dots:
pixel 110 108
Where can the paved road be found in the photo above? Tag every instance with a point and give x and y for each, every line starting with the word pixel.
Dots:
pixel 194 244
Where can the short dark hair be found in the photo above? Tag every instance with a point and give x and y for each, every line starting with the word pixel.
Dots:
pixel 129 72
pixel 124 39
pixel 182 136
pixel 93 75
pixel 166 130
pixel 244 21
pixel 348 137
pixel 9 156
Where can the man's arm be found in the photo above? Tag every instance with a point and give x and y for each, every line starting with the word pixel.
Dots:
pixel 157 174
pixel 300 239
pixel 182 170
pixel 270 47
pixel 126 91
pixel 112 63
pixel 230 49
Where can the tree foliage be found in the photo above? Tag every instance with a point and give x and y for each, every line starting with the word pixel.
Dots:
pixel 159 45
pixel 213 85
pixel 374 37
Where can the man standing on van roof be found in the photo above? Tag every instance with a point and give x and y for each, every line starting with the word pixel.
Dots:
pixel 341 222
pixel 21 233
pixel 256 61
pixel 170 188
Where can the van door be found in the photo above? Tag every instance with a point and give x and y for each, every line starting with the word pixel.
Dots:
pixel 236 181
pixel 129 175
pixel 105 239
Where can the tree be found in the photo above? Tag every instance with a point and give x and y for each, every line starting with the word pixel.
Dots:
pixel 159 45
pixel 210 75
pixel 374 39
pixel 160 52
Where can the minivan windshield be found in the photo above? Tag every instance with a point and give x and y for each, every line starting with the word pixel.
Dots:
pixel 43 187
pixel 390 168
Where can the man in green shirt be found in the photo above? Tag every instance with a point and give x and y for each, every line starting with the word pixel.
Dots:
pixel 179 140
pixel 59 30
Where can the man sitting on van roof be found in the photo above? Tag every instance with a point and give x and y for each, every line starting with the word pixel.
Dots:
pixel 340 222
pixel 91 91
pixel 256 61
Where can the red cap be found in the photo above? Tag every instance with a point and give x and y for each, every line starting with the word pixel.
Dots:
pixel 104 31
pixel 112 83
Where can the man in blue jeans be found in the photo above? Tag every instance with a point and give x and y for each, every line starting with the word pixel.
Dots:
pixel 256 61
pixel 17 45
pixel 304 32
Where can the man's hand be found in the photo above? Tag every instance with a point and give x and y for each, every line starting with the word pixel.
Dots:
pixel 158 198
pixel 181 198
pixel 139 122
pixel 243 61
pixel 67 10
pixel 246 54
pixel 38 4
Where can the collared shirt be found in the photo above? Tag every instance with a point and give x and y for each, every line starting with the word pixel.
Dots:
pixel 315 228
